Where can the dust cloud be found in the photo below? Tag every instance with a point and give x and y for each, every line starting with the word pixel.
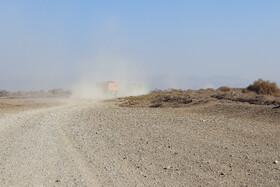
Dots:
pixel 107 67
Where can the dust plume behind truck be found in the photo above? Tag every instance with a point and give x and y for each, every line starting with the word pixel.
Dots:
pixel 108 88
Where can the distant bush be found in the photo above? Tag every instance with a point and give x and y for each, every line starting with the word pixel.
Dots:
pixel 57 91
pixel 3 93
pixel 210 89
pixel 264 87
pixel 177 90
pixel 60 92
pixel 225 89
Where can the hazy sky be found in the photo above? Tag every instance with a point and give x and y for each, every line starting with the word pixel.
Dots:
pixel 46 44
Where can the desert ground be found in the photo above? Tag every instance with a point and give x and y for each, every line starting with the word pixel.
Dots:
pixel 71 142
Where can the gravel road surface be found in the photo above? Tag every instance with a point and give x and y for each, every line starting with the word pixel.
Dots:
pixel 82 143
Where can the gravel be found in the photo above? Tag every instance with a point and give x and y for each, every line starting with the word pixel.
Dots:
pixel 84 143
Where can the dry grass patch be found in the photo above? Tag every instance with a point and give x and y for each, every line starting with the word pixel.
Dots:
pixel 175 98
pixel 225 89
pixel 4 93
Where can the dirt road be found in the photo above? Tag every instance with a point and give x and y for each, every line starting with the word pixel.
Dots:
pixel 82 143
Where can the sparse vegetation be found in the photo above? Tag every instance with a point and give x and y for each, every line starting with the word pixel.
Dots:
pixel 60 92
pixel 264 87
pixel 176 98
pixel 4 93
pixel 36 94
pixel 225 89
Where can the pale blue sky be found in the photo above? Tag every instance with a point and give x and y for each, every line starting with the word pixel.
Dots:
pixel 45 44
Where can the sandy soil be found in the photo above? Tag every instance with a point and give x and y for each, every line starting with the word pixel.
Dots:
pixel 47 142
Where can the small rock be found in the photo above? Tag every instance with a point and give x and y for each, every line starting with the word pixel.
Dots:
pixel 57 181
pixel 165 168
pixel 222 173
pixel 276 162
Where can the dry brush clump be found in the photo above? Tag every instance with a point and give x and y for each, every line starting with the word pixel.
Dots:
pixel 183 98
pixel 36 94
pixel 60 92
pixel 174 98
pixel 264 87
pixel 225 89
pixel 4 93
pixel 259 93
pixel 252 98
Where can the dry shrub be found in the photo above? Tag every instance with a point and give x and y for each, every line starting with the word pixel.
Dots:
pixel 244 90
pixel 209 89
pixel 60 92
pixel 177 90
pixel 225 89
pixel 264 87
pixel 56 91
pixel 4 93
pixel 248 98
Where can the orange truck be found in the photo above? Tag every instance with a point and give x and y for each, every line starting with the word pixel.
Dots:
pixel 109 88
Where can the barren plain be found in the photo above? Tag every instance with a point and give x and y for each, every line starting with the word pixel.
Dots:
pixel 66 142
